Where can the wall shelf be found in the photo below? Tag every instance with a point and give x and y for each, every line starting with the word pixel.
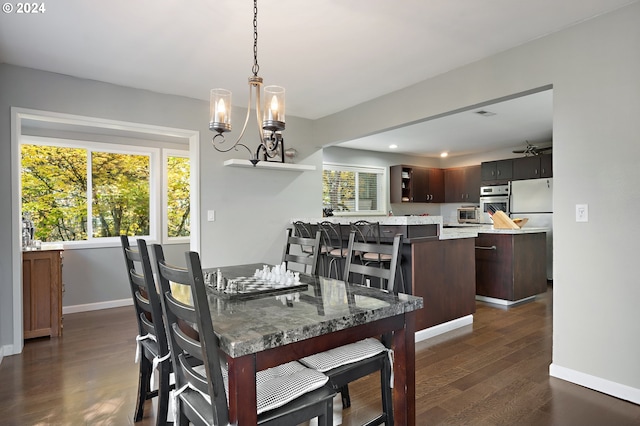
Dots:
pixel 270 165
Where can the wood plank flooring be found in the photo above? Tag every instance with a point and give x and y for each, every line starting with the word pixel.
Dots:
pixel 494 372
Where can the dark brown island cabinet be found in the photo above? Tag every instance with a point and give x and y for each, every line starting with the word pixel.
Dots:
pixel 510 267
pixel 443 274
pixel 42 293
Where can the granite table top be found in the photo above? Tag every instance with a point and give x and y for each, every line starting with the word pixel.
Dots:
pixel 249 325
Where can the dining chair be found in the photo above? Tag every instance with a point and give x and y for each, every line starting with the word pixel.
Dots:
pixel 294 253
pixel 152 347
pixel 288 394
pixel 369 232
pixel 353 361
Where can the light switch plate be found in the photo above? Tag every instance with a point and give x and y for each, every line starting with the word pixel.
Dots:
pixel 582 213
pixel 211 215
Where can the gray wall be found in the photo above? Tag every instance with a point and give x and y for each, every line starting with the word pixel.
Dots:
pixel 252 205
pixel 594 69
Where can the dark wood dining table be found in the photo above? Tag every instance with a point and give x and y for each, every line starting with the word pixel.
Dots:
pixel 259 331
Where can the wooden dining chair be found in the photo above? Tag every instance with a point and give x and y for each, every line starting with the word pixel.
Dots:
pixel 288 394
pixel 294 253
pixel 351 362
pixel 153 348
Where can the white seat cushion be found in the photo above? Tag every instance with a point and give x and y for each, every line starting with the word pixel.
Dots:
pixel 279 385
pixel 347 354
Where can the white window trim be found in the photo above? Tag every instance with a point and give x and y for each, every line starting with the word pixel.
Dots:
pixel 18 116
pixel 381 190
pixel 166 153
pixel 154 173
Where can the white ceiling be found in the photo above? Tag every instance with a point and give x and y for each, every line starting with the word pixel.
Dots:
pixel 508 123
pixel 329 54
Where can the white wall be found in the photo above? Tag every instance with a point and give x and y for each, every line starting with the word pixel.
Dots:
pixel 594 69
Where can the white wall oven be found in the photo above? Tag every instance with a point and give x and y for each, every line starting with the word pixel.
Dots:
pixel 493 198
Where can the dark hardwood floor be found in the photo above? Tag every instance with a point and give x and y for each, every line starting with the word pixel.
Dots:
pixel 492 373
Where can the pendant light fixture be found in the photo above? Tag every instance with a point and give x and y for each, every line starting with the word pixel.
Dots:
pixel 270 119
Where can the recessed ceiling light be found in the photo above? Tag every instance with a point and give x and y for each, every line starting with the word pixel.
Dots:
pixel 444 154
pixel 393 146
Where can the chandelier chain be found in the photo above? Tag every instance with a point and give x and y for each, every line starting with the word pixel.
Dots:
pixel 255 67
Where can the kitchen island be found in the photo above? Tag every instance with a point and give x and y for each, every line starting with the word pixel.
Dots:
pixel 440 265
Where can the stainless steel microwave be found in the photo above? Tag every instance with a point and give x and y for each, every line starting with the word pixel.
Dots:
pixel 469 214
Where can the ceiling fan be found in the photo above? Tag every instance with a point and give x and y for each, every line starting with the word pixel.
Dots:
pixel 531 150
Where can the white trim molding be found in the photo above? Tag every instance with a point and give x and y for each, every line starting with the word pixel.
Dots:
pixel 96 306
pixel 599 384
pixel 439 329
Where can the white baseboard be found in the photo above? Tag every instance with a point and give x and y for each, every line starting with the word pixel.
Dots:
pixel 96 306
pixel 436 330
pixel 503 301
pixel 7 350
pixel 599 384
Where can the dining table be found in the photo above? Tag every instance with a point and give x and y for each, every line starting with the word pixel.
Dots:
pixel 261 327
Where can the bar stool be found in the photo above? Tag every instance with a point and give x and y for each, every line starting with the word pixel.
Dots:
pixel 333 247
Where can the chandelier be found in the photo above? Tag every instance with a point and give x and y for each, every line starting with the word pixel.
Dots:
pixel 270 119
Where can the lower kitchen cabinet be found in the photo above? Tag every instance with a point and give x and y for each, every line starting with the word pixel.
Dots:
pixel 511 267
pixel 444 276
pixel 42 293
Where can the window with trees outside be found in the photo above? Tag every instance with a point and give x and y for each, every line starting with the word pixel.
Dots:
pixel 88 192
pixel 353 189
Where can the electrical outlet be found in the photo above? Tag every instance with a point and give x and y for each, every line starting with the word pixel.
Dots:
pixel 211 215
pixel 582 213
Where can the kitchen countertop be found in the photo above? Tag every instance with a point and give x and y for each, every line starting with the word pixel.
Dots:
pixel 383 220
pixel 445 233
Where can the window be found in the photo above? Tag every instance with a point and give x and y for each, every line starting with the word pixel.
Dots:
pixel 177 224
pixel 89 192
pixel 353 189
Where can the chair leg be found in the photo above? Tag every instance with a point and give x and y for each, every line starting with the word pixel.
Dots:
pixel 346 399
pixel 164 388
pixel 144 382
pixel 387 392
pixel 326 419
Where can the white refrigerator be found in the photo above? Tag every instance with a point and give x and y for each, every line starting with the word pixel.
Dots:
pixel 533 199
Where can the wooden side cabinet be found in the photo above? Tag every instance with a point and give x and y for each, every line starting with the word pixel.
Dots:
pixel 42 293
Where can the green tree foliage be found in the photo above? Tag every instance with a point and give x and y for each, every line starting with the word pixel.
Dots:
pixel 120 188
pixel 54 192
pixel 338 189
pixel 178 201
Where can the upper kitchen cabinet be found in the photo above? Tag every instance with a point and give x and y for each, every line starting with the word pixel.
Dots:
pixel 411 184
pixel 497 172
pixel 538 166
pixel 462 185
